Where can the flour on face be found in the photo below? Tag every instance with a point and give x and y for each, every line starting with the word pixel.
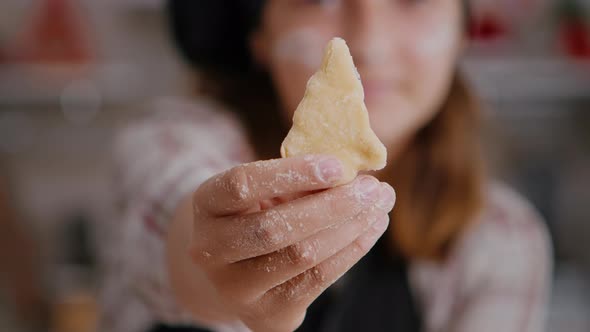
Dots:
pixel 301 46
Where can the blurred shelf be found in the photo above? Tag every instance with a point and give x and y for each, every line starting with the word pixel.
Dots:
pixel 497 78
pixel 511 78
pixel 41 85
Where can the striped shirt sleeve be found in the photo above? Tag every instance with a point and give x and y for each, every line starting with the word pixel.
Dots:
pixel 159 160
pixel 497 277
pixel 510 293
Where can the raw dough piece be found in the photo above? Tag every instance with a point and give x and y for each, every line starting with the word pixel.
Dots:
pixel 332 117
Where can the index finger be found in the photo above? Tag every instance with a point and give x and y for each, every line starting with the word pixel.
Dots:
pixel 244 186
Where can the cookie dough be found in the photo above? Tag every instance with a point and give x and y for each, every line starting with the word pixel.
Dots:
pixel 332 117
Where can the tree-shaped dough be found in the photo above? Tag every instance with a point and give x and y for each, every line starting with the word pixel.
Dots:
pixel 332 117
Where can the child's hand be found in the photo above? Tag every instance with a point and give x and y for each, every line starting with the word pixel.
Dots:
pixel 269 262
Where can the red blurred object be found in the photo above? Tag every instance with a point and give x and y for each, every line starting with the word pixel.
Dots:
pixel 3 57
pixel 487 27
pixel 575 39
pixel 574 31
pixel 55 34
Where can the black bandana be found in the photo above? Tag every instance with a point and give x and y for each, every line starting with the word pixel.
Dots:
pixel 215 33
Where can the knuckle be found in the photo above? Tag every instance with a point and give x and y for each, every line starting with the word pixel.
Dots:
pixel 318 276
pixel 288 319
pixel 235 182
pixel 229 286
pixel 197 198
pixel 361 246
pixel 282 309
pixel 257 316
pixel 288 322
pixel 298 321
pixel 269 230
pixel 264 235
pixel 300 254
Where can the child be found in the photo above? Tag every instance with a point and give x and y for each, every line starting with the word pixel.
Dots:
pixel 207 245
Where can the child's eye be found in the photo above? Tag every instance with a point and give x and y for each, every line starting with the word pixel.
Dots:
pixel 413 2
pixel 332 3
pixel 321 2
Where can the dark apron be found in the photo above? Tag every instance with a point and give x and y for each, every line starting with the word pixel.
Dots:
pixel 373 296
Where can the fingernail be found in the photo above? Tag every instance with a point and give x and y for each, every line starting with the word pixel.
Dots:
pixel 367 189
pixel 386 198
pixel 329 170
pixel 382 224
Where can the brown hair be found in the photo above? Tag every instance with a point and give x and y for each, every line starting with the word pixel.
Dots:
pixel 438 177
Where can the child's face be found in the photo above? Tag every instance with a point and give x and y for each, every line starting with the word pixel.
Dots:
pixel 405 52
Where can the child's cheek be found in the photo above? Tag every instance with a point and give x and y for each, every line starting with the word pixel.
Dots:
pixel 438 40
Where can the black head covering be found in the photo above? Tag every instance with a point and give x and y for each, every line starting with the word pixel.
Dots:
pixel 214 33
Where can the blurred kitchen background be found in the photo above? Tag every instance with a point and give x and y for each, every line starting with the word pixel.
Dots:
pixel 73 71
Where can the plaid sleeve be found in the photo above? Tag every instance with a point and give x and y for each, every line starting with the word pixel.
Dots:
pixel 159 161
pixel 506 271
